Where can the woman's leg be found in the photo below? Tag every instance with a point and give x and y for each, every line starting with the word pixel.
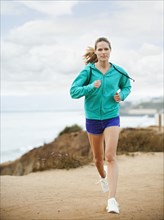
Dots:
pixel 97 145
pixel 111 141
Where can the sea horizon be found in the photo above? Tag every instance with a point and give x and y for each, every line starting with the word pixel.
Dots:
pixel 22 131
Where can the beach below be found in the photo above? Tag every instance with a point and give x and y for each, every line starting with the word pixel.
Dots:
pixel 74 195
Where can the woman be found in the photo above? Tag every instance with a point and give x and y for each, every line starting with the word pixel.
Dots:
pixel 104 85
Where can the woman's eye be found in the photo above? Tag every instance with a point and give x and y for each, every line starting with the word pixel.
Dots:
pixel 106 49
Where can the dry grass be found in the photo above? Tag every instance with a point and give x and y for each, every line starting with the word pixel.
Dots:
pixel 143 139
pixel 72 149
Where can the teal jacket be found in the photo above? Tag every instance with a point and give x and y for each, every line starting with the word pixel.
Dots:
pixel 99 102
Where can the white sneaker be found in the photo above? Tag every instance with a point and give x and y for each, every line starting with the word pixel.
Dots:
pixel 113 206
pixel 104 182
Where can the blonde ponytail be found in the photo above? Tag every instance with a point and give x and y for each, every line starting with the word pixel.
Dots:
pixel 90 56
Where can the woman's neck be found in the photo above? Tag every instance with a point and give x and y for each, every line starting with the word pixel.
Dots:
pixel 103 65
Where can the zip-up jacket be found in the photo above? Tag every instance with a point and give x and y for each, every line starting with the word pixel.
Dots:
pixel 99 102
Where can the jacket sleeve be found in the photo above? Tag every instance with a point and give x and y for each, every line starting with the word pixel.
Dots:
pixel 125 87
pixel 79 87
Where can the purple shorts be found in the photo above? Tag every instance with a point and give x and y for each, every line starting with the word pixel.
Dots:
pixel 98 126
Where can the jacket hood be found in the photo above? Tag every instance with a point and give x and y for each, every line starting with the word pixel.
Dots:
pixel 92 65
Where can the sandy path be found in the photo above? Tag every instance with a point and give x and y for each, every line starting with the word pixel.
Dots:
pixel 73 194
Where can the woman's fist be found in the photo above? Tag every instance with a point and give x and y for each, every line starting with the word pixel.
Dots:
pixel 97 83
pixel 117 97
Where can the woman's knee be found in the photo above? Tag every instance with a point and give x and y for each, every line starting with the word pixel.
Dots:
pixel 110 157
pixel 98 161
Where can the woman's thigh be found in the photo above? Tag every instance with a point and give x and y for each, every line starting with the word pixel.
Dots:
pixel 111 135
pixel 97 145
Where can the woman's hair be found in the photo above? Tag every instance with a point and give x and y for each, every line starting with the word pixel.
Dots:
pixel 90 56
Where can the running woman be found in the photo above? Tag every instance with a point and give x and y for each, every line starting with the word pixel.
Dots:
pixel 104 85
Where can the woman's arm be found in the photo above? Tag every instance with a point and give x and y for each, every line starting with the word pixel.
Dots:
pixel 125 88
pixel 79 87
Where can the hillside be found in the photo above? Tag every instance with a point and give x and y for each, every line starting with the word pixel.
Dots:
pixel 71 150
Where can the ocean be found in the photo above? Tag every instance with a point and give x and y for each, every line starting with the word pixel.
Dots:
pixel 22 131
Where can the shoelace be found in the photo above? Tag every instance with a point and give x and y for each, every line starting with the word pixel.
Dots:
pixel 102 180
pixel 114 202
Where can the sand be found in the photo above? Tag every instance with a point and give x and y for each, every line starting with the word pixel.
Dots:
pixel 73 194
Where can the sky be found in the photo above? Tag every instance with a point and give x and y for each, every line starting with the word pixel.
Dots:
pixel 42 44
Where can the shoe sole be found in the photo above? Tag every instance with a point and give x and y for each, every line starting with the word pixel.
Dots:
pixel 111 211
pixel 114 212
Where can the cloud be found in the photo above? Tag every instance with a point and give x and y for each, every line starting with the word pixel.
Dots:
pixel 44 52
pixel 134 23
pixel 38 63
pixel 145 65
pixel 51 8
pixel 9 8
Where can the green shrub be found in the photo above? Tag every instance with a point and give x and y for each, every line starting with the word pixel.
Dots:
pixel 70 129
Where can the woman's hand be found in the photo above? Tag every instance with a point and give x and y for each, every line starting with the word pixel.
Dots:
pixel 117 97
pixel 97 83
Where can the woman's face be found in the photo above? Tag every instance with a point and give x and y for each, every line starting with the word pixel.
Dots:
pixel 103 51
